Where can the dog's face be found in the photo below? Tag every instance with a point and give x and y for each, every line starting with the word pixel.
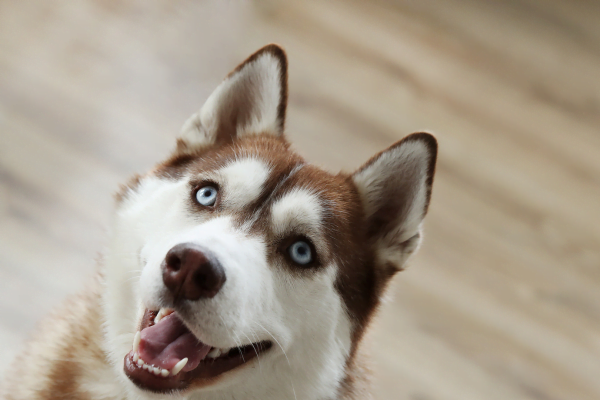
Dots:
pixel 237 267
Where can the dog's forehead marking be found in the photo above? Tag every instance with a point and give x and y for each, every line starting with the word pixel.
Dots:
pixel 297 207
pixel 243 180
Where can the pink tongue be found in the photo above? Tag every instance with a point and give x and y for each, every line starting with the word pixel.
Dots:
pixel 169 341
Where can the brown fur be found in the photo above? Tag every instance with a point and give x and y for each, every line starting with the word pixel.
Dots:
pixel 68 351
pixel 127 188
pixel 65 353
pixel 357 383
pixel 241 112
pixel 278 53
pixel 360 282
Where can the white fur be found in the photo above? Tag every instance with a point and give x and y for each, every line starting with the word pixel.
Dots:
pixel 258 84
pixel 300 211
pixel 244 180
pixel 263 298
pixel 299 207
pixel 303 316
pixel 404 165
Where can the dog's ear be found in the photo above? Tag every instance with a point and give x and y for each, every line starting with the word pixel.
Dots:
pixel 251 100
pixel 395 188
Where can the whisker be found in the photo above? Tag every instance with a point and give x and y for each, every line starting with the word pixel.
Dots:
pixel 256 340
pixel 254 348
pixel 239 346
pixel 284 353
pixel 276 341
pixel 236 339
pixel 135 271
pixel 132 278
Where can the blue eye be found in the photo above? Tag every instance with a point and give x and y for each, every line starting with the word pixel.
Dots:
pixel 207 196
pixel 300 252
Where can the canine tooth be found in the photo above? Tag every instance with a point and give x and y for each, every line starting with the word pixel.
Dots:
pixel 164 373
pixel 214 353
pixel 179 366
pixel 159 316
pixel 163 312
pixel 140 362
pixel 136 341
pixel 156 371
pixel 136 357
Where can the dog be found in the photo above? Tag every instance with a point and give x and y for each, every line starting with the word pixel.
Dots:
pixel 235 269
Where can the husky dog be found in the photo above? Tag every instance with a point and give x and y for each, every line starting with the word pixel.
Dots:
pixel 235 269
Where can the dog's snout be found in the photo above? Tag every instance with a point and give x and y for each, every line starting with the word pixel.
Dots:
pixel 191 273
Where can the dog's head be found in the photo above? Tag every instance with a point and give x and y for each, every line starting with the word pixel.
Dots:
pixel 236 266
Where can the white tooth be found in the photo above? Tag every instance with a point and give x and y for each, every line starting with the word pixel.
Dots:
pixel 156 371
pixel 145 366
pixel 136 357
pixel 179 366
pixel 159 316
pixel 164 373
pixel 214 353
pixel 136 341
pixel 140 362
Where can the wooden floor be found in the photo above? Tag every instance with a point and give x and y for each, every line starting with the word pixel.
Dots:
pixel 502 302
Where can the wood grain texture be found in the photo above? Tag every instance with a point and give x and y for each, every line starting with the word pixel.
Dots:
pixel 503 300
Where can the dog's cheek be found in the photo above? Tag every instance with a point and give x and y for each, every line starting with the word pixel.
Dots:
pixel 124 260
pixel 119 297
pixel 313 309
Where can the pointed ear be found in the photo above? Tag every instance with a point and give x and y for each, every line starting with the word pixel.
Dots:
pixel 252 99
pixel 395 188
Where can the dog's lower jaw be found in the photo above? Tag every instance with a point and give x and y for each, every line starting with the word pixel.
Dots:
pixel 308 371
pixel 282 376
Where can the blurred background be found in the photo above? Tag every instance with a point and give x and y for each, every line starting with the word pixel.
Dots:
pixel 503 300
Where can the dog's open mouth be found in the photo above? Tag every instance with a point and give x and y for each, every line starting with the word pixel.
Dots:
pixel 166 356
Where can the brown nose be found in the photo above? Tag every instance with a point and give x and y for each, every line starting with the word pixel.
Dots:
pixel 191 273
